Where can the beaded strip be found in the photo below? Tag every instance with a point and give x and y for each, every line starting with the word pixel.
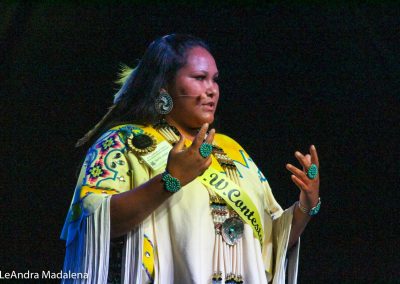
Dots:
pixel 169 132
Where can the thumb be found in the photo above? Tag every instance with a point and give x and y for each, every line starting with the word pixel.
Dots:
pixel 179 146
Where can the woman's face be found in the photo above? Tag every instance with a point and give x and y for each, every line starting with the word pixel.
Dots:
pixel 195 90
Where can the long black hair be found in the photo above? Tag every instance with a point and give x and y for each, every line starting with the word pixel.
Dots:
pixel 134 102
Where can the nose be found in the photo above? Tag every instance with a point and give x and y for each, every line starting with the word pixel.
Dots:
pixel 211 89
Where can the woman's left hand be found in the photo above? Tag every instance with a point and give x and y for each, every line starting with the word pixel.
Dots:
pixel 309 187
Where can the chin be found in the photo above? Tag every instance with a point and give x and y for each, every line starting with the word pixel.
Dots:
pixel 208 120
pixel 199 120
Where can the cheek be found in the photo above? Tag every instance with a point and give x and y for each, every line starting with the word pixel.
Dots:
pixel 192 88
pixel 185 106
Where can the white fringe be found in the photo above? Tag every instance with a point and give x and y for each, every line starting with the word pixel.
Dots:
pixel 132 250
pixel 89 251
pixel 285 259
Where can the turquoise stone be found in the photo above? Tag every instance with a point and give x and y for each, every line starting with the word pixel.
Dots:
pixel 312 171
pixel 205 150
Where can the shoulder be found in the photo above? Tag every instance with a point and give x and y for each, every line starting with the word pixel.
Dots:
pixel 116 137
pixel 104 155
pixel 111 139
pixel 231 147
pixel 224 141
pixel 244 163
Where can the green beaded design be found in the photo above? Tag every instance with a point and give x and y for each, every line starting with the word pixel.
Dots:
pixel 171 184
pixel 312 171
pixel 205 150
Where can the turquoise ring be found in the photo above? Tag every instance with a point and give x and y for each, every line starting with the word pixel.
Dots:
pixel 312 171
pixel 205 150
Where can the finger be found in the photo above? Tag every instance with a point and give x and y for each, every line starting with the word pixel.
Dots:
pixel 302 160
pixel 205 166
pixel 180 145
pixel 198 140
pixel 208 163
pixel 210 136
pixel 300 184
pixel 314 155
pixel 308 159
pixel 297 172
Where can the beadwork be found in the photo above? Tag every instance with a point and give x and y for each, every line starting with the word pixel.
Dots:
pixel 141 144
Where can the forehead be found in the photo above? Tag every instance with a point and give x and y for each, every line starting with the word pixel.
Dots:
pixel 200 58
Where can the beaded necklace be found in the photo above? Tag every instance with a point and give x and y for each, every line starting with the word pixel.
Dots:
pixel 228 253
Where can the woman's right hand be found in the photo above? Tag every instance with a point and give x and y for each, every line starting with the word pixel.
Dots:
pixel 187 164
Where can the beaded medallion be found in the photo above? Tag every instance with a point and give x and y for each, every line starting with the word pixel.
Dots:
pixel 232 230
pixel 141 144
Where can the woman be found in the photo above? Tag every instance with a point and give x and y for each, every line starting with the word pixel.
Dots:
pixel 163 199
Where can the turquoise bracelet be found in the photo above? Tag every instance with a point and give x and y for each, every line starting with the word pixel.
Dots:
pixel 311 212
pixel 171 184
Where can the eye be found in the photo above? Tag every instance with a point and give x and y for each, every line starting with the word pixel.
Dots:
pixel 200 77
pixel 216 79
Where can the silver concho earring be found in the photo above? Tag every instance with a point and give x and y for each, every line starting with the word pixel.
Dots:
pixel 163 103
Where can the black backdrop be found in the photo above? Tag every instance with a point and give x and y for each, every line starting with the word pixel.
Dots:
pixel 291 76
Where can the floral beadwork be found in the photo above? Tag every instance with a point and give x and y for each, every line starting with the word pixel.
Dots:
pixel 107 143
pixel 104 158
pixel 96 171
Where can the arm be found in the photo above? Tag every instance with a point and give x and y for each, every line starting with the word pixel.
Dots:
pixel 309 192
pixel 129 208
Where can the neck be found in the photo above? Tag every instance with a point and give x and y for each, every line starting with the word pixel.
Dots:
pixel 187 132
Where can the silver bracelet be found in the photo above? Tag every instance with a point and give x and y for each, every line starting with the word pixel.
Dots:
pixel 311 212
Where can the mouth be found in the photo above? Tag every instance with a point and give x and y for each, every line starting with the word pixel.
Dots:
pixel 209 106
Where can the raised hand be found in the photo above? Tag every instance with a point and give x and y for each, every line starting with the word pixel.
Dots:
pixel 187 164
pixel 309 187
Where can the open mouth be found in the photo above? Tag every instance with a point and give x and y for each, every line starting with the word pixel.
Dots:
pixel 209 104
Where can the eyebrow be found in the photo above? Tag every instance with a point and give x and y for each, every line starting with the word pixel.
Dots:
pixel 206 72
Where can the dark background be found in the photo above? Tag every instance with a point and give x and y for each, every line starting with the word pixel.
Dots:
pixel 291 75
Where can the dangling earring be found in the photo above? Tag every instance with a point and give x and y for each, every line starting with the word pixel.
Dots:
pixel 163 103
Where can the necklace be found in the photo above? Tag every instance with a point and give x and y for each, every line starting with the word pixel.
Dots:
pixel 228 254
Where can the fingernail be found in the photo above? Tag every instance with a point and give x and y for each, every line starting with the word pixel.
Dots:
pixel 313 147
pixel 297 153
